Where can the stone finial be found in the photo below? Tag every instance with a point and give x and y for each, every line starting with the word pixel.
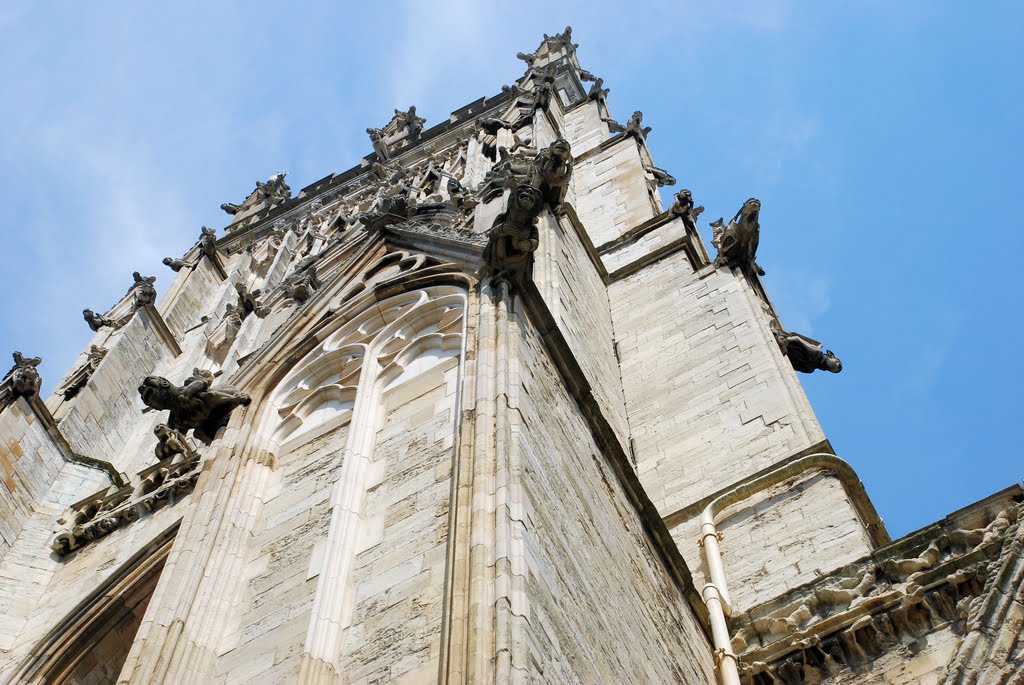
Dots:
pixel 805 354
pixel 23 379
pixel 737 241
pixel 683 206
pixel 194 405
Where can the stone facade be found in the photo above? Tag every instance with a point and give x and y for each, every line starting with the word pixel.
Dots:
pixel 462 414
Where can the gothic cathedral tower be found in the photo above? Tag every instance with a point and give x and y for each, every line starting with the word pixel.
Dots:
pixel 477 410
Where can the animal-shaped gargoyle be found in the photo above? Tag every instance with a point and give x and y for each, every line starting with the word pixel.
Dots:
pixel 194 404
pixel 737 242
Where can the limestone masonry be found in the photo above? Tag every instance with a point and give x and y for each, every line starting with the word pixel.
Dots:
pixel 477 410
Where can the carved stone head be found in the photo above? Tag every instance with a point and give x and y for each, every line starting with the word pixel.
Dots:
pixel 830 362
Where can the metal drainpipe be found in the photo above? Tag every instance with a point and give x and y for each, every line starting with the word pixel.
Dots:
pixel 716 593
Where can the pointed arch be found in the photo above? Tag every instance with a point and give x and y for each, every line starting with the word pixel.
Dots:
pixel 104 621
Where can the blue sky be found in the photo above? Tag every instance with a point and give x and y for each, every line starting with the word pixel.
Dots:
pixel 884 140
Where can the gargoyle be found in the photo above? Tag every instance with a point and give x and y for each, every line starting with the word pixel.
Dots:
pixel 683 206
pixel 194 405
pixel 175 264
pixel 661 177
pixel 551 171
pixel 145 292
pixel 301 283
pixel 170 443
pixel 737 242
pixel 514 235
pixel 98 321
pixel 805 354
pixel 248 302
pixel 208 242
pixel 24 377
pixel 635 126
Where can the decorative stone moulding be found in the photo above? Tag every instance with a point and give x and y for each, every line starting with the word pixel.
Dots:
pixel 849 619
pixel 100 514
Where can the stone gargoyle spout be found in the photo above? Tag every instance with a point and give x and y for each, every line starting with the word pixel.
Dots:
pixel 193 405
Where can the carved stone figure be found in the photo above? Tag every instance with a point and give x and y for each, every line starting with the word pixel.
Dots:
pixel 614 126
pixel 460 197
pixel 175 264
pixel 805 354
pixel 514 237
pixel 98 321
pixel 169 442
pixel 683 206
pixel 274 192
pixel 145 292
pixel 380 148
pixel 303 280
pixel 635 126
pixel 551 171
pixel 409 121
pixel 661 177
pixel 737 242
pixel 598 91
pixel 208 242
pixel 248 302
pixel 24 377
pixel 82 374
pixel 194 405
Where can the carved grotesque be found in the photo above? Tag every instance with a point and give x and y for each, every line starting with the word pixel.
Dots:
pixel 274 192
pixel 169 442
pixel 303 280
pixel 460 197
pixel 98 321
pixel 82 374
pixel 175 264
pixel 597 90
pixel 514 236
pixel 737 242
pixel 24 377
pixel 409 121
pixel 806 355
pixel 683 206
pixel 635 126
pixel 248 302
pixel 380 147
pixel 194 405
pixel 551 171
pixel 145 292
pixel 661 177
pixel 208 242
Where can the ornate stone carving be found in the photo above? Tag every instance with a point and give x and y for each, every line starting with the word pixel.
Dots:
pixel 404 128
pixel 80 376
pixel 145 292
pixel 805 354
pixel 248 302
pixel 208 242
pixel 551 171
pixel 23 379
pixel 683 206
pixel 301 283
pixel 170 443
pixel 737 242
pixel 661 177
pixel 597 90
pixel 460 197
pixel 635 126
pixel 274 192
pixel 175 264
pixel 514 236
pixel 98 321
pixel 193 405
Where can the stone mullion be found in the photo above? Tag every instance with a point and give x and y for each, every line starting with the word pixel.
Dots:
pixel 478 630
pixel 330 615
